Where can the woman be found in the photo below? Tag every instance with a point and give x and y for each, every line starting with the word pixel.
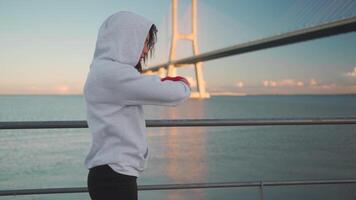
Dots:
pixel 114 92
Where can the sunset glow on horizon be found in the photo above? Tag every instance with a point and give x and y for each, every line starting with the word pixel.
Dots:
pixel 49 51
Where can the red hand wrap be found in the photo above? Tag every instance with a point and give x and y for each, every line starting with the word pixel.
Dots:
pixel 176 78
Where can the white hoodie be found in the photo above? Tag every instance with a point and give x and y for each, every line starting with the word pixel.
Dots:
pixel 115 91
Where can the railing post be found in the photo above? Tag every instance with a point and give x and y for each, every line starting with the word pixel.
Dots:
pixel 261 190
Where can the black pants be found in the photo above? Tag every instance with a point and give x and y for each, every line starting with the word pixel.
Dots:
pixel 106 184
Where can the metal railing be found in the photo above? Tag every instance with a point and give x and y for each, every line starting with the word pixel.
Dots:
pixel 188 123
pixel 180 123
pixel 259 184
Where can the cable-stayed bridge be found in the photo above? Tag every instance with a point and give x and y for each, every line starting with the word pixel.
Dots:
pixel 321 30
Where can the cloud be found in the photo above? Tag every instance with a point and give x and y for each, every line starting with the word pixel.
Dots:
pixel 352 74
pixel 240 84
pixel 311 86
pixel 283 83
pixel 62 89
pixel 331 86
pixel 317 85
pixel 313 82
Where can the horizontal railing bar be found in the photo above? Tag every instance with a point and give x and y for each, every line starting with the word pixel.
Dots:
pixel 301 35
pixel 186 122
pixel 183 186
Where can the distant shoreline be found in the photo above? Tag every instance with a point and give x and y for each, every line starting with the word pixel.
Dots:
pixel 211 94
pixel 346 94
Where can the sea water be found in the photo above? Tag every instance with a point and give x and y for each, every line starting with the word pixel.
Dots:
pixel 53 158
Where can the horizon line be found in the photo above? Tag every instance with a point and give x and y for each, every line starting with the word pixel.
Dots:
pixel 211 94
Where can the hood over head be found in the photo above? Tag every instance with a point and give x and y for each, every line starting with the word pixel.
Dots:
pixel 121 38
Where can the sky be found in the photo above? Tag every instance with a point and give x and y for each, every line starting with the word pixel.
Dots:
pixel 48 45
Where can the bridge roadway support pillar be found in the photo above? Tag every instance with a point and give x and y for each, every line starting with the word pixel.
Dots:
pixel 200 83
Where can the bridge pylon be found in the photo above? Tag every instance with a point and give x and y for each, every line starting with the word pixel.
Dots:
pixel 176 36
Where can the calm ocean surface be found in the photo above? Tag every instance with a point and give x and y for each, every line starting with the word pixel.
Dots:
pixel 54 158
